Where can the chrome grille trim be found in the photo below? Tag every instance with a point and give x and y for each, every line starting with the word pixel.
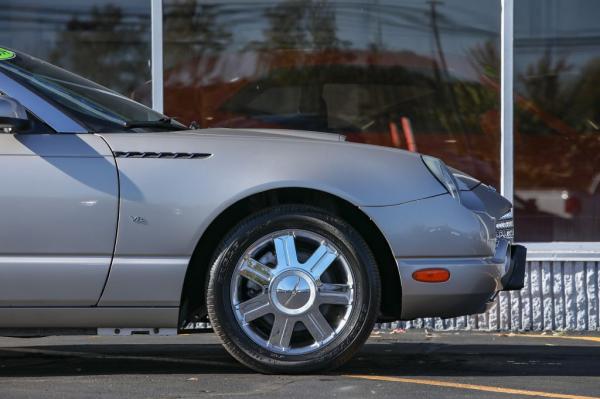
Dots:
pixel 505 227
pixel 161 155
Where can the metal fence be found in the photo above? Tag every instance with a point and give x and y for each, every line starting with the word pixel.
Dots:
pixel 556 296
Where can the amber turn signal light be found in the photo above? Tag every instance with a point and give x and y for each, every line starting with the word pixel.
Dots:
pixel 431 275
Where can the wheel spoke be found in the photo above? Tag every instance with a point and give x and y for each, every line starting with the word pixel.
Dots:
pixel 335 294
pixel 317 325
pixel 255 308
pixel 256 272
pixel 320 260
pixel 285 251
pixel 281 334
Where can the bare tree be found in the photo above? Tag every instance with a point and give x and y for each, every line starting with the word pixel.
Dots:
pixel 106 48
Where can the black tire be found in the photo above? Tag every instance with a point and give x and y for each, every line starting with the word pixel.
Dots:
pixel 349 242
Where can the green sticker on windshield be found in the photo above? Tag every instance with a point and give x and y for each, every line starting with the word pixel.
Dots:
pixel 6 54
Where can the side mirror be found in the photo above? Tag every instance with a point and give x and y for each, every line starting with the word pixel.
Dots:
pixel 13 116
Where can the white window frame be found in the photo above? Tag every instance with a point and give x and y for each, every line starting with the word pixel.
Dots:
pixel 537 251
pixel 156 57
pixel 506 100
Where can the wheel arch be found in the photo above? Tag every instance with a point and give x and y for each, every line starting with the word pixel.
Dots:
pixel 192 304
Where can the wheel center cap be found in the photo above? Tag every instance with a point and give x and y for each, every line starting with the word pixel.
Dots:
pixel 293 292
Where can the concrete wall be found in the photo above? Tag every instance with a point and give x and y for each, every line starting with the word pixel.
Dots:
pixel 557 296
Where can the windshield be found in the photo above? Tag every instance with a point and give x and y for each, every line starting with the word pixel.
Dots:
pixel 95 107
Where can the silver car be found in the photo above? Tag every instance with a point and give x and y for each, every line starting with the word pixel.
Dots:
pixel 294 244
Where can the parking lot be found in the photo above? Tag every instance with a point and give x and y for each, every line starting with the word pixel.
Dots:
pixel 413 364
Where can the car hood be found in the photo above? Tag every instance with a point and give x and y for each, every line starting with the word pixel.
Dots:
pixel 201 139
pixel 269 133
pixel 365 175
pixel 192 140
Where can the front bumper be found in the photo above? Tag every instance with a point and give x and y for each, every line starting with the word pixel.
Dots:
pixel 471 239
pixel 473 283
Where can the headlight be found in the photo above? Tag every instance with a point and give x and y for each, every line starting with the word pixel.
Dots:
pixel 443 174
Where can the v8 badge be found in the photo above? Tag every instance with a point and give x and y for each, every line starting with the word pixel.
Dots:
pixel 138 220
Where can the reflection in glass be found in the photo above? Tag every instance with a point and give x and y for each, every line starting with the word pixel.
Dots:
pixel 417 75
pixel 105 41
pixel 557 132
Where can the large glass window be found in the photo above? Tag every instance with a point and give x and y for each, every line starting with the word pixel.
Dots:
pixel 413 74
pixel 557 114
pixel 107 41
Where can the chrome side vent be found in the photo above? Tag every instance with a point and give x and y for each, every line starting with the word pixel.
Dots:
pixel 165 155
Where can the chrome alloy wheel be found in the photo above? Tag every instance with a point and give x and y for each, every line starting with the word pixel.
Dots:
pixel 292 292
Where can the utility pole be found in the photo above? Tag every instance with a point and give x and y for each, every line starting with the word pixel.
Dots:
pixel 445 79
pixel 436 35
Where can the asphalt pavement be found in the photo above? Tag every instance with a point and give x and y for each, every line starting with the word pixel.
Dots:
pixel 413 364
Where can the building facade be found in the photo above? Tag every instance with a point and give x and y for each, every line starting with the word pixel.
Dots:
pixel 507 91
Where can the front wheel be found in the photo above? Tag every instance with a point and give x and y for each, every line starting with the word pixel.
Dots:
pixel 293 289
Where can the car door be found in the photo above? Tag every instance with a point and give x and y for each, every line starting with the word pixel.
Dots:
pixel 58 216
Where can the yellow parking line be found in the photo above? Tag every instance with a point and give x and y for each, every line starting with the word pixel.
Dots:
pixel 574 337
pixel 472 387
